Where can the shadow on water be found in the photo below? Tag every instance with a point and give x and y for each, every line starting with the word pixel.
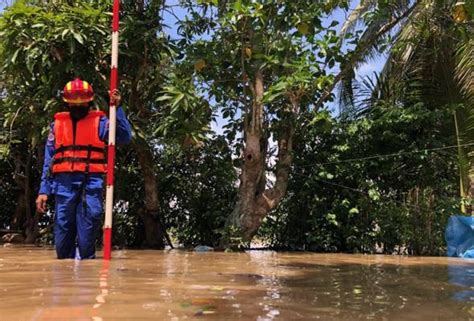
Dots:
pixel 262 286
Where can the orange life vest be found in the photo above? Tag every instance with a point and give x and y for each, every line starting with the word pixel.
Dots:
pixel 83 153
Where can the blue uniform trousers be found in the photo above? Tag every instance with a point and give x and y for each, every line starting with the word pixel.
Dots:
pixel 78 201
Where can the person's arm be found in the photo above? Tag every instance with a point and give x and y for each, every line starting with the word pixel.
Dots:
pixel 123 130
pixel 46 178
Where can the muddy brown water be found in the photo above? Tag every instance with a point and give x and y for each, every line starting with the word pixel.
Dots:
pixel 255 285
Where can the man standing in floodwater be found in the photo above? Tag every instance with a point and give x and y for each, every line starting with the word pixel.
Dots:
pixel 74 164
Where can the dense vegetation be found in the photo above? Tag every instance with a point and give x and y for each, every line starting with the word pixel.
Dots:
pixel 382 174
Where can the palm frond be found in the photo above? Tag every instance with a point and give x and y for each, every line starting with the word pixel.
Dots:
pixel 464 69
pixel 346 91
pixel 368 48
pixel 356 15
pixel 400 58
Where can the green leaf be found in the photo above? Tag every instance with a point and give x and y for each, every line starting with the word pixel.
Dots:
pixel 15 55
pixel 354 210
pixel 78 37
pixel 238 5
pixel 374 194
pixel 164 97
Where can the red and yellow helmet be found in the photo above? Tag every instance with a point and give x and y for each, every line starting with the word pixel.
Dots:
pixel 78 92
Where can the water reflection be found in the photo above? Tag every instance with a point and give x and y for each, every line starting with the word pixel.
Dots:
pixel 103 290
pixel 463 276
pixel 264 286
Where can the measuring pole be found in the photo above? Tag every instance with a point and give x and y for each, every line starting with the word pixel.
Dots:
pixel 109 198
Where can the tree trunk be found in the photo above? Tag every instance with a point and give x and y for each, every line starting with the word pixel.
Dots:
pixel 150 214
pixel 31 224
pixel 465 161
pixel 24 218
pixel 18 216
pixel 255 201
pixel 470 191
pixel 20 210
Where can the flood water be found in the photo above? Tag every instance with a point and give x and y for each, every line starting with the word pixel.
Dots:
pixel 255 285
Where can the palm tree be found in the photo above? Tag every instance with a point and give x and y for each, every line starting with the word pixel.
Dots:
pixel 430 60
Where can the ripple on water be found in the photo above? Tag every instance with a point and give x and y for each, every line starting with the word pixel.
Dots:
pixel 152 285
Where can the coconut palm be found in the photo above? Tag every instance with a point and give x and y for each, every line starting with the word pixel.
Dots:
pixel 430 60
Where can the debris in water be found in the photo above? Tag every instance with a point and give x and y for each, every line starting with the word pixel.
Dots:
pixel 217 288
pixel 203 248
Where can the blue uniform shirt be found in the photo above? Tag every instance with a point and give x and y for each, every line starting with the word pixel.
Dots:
pixel 123 135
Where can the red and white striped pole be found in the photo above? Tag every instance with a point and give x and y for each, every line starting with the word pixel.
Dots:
pixel 109 198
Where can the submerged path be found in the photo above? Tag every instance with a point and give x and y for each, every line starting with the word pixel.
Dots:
pixel 256 285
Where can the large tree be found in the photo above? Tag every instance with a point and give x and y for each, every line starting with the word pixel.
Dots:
pixel 263 64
